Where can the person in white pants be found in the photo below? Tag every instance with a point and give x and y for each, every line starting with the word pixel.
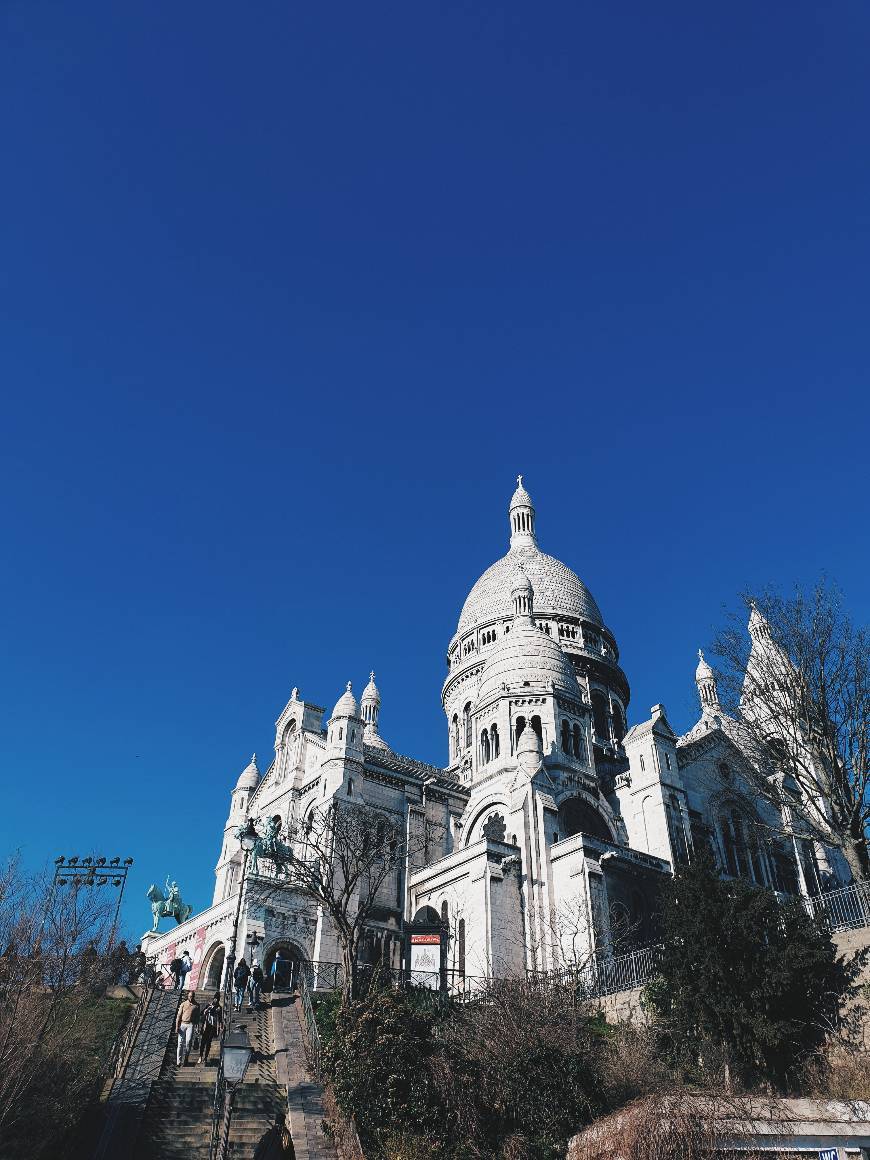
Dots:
pixel 185 1021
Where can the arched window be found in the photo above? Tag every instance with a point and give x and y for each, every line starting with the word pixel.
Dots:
pixel 599 716
pixel 460 939
pixel 536 725
pixel 578 742
pixel 484 746
pixel 566 737
pixel 494 741
pixel 466 717
pixel 618 721
pixel 454 735
pixel 444 912
pixel 518 728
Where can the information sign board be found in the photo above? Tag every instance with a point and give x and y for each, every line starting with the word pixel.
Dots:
pixel 426 960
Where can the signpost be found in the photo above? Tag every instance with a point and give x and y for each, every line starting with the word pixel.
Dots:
pixel 427 956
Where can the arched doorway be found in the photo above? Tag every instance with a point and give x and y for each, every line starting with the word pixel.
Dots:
pixel 282 963
pixel 577 816
pixel 212 969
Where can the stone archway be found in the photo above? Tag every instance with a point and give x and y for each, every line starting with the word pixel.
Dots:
pixel 577 815
pixel 282 963
pixel 211 975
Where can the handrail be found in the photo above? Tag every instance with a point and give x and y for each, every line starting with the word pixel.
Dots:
pixel 122 1048
pixel 313 1045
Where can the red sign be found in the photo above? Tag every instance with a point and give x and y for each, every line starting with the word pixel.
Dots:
pixel 429 939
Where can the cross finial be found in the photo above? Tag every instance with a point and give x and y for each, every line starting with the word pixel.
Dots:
pixel 350 686
pixel 700 654
pixel 519 481
pixel 254 759
pixel 372 675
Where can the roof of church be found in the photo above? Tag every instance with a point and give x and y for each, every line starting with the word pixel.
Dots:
pixel 398 763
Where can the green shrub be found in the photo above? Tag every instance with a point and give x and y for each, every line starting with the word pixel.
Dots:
pixel 377 1057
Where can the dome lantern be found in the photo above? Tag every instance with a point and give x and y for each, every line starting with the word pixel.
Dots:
pixel 522 516
pixel 523 597
pixel 370 708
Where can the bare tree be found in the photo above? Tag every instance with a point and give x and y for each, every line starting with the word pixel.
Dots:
pixel 799 688
pixel 350 852
pixel 53 963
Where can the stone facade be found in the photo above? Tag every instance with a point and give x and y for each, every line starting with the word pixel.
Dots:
pixel 552 824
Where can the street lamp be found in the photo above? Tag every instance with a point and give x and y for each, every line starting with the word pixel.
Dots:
pixel 248 838
pixel 236 1053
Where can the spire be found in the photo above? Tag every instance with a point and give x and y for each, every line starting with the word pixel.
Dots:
pixel 759 629
pixel 705 679
pixel 370 707
pixel 522 517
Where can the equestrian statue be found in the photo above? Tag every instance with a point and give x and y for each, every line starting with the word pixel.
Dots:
pixel 168 905
pixel 270 847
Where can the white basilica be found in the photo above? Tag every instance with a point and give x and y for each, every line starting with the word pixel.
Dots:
pixel 553 823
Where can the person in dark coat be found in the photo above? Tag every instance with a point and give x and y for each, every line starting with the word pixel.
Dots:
pixel 210 1025
pixel 240 981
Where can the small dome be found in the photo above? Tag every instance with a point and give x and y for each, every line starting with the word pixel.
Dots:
pixel 521 497
pixel 370 692
pixel 346 705
pixel 526 655
pixel 520 584
pixel 703 672
pixel 249 778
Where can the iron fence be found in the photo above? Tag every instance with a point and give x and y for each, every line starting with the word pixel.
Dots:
pixel 605 976
pixel 845 909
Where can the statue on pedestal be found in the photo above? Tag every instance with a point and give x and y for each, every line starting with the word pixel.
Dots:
pixel 169 905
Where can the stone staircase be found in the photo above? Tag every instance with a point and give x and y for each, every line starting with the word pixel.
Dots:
pixel 178 1119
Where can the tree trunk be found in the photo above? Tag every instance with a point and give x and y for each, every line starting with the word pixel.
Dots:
pixel 856 854
pixel 348 962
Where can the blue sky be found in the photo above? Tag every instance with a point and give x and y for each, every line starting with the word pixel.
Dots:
pixel 290 293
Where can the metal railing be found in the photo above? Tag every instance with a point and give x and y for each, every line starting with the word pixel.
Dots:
pixel 313 1046
pixel 845 909
pixel 606 976
pixel 123 1045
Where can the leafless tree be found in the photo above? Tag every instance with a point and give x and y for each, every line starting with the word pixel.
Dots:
pixel 350 852
pixel 799 687
pixel 53 963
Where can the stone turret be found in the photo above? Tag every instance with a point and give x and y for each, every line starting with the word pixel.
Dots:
pixel 370 706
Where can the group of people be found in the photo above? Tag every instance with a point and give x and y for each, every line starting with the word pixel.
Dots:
pixel 247 980
pixel 192 1019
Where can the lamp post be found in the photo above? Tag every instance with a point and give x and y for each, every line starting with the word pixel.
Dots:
pixel 236 1055
pixel 248 838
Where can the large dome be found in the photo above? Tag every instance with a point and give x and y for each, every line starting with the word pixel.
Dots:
pixel 558 590
pixel 526 654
